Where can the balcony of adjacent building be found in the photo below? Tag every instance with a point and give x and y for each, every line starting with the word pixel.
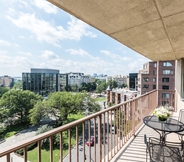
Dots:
pixel 116 135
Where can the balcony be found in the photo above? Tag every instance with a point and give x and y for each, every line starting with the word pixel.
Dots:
pixel 113 128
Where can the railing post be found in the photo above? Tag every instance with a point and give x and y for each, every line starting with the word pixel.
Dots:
pixel 8 157
pixel 39 151
pixel 51 148
pixel 61 146
pixel 133 117
pixel 100 138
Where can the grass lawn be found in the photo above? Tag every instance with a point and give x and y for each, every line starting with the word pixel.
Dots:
pixel 100 99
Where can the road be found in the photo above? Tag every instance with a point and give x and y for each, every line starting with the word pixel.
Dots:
pixel 30 132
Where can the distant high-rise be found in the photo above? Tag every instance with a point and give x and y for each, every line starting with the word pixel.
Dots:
pixel 132 80
pixel 6 81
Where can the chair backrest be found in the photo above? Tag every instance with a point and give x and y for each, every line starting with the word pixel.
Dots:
pixel 172 151
pixel 181 116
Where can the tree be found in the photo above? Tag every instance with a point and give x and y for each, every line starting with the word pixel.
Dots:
pixel 74 87
pixel 17 104
pixel 112 83
pixel 60 104
pixel 68 88
pixel 64 103
pixel 17 85
pixel 101 86
pixel 3 90
pixel 38 112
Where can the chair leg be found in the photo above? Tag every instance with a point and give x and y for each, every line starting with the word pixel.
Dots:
pixel 182 146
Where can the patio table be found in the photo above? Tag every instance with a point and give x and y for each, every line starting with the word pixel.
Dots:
pixel 163 127
pixel 162 151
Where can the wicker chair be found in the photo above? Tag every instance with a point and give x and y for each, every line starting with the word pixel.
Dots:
pixel 181 134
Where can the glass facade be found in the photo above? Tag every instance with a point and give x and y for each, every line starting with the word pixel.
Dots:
pixel 40 83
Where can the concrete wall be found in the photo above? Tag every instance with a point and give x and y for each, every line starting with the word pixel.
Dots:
pixel 178 84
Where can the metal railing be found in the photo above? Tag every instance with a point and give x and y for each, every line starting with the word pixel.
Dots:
pixel 111 129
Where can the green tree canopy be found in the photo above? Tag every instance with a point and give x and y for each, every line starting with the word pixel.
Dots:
pixel 3 90
pixel 17 104
pixel 112 83
pixel 101 86
pixel 17 85
pixel 60 104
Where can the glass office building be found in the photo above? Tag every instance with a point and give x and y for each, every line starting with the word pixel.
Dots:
pixel 41 81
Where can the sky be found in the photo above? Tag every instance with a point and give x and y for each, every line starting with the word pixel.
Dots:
pixel 37 34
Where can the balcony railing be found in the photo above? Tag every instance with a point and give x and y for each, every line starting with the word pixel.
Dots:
pixel 111 127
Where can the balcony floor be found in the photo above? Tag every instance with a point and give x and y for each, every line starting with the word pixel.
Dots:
pixel 135 150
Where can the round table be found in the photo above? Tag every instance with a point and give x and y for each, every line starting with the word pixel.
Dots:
pixel 163 127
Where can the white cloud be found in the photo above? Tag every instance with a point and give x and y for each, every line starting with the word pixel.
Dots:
pixel 4 43
pixel 26 53
pixel 81 52
pixel 17 64
pixel 49 55
pixel 116 57
pixel 137 64
pixel 45 31
pixel 46 6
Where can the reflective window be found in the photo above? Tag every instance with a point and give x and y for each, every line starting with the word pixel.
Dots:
pixel 154 79
pixel 154 86
pixel 167 72
pixel 155 65
pixel 165 87
pixel 165 79
pixel 145 79
pixel 154 72
pixel 165 95
pixel 167 64
pixel 145 86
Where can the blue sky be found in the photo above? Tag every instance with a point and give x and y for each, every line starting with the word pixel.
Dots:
pixel 36 34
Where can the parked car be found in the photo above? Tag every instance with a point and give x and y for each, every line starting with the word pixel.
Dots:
pixel 90 141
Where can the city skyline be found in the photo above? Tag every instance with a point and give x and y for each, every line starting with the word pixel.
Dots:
pixel 39 35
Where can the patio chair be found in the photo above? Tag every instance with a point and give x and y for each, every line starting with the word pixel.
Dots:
pixel 162 152
pixel 181 134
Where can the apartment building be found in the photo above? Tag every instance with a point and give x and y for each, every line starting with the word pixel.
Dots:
pixel 78 78
pixel 158 75
pixel 119 79
pixel 6 81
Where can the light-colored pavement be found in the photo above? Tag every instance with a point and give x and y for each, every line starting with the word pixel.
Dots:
pixel 23 135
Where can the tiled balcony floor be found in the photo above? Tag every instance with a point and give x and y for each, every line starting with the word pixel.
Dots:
pixel 135 151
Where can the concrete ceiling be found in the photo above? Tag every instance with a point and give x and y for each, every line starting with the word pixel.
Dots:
pixel 153 28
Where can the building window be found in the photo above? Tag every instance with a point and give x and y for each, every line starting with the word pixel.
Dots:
pixel 145 72
pixel 165 95
pixel 154 72
pixel 167 64
pixel 155 65
pixel 145 86
pixel 165 87
pixel 154 86
pixel 145 79
pixel 145 66
pixel 167 72
pixel 154 79
pixel 165 79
